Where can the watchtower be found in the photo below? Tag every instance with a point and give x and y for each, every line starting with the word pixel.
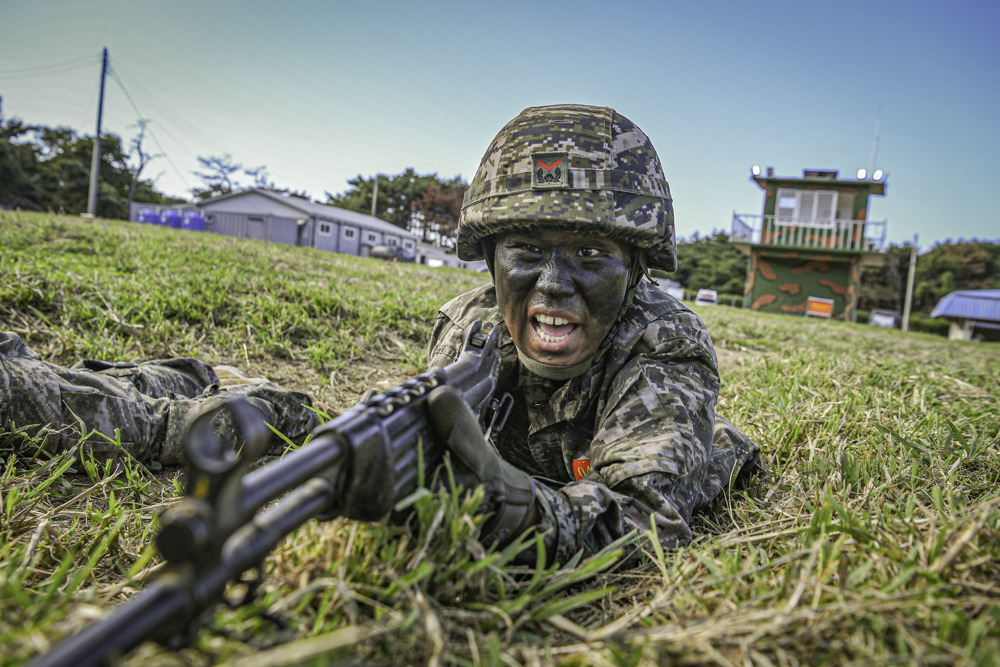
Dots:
pixel 807 248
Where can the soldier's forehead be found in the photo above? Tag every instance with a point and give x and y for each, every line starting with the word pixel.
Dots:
pixel 536 229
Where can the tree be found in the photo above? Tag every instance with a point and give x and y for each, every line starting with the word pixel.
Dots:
pixel 45 168
pixel 63 175
pixel 950 266
pixel 885 287
pixel 436 213
pixel 711 262
pixel 396 196
pixel 217 176
pixel 18 164
pixel 141 157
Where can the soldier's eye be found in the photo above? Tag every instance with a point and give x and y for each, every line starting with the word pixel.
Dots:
pixel 590 252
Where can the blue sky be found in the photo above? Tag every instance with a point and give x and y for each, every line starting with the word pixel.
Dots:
pixel 320 92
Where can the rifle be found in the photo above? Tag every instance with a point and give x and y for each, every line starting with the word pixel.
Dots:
pixel 218 531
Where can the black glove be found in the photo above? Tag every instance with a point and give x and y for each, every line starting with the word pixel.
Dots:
pixel 509 492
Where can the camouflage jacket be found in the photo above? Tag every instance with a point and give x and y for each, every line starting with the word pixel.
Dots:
pixel 632 442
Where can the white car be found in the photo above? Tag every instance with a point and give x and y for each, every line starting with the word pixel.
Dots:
pixel 707 297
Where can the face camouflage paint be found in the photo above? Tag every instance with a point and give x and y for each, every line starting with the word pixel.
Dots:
pixel 560 293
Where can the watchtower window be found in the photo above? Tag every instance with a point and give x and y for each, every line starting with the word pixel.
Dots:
pixel 805 206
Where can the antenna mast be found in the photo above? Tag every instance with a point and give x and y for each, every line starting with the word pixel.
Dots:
pixel 95 164
pixel 878 130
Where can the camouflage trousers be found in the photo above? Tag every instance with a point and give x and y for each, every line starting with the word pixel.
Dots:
pixel 144 406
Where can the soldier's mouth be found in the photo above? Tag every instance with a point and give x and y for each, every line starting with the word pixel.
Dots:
pixel 552 329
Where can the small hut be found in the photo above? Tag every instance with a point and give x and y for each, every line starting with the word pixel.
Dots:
pixel 974 314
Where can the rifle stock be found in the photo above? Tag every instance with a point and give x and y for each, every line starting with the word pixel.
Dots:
pixel 219 530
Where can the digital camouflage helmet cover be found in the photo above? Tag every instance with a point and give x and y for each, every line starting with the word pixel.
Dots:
pixel 583 168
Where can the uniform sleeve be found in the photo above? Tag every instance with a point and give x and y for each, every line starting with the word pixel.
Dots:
pixel 649 457
pixel 448 333
pixel 445 343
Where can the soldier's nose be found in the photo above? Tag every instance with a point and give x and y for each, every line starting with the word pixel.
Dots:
pixel 556 278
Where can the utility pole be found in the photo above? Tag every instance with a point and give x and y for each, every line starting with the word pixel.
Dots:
pixel 375 196
pixel 95 164
pixel 909 284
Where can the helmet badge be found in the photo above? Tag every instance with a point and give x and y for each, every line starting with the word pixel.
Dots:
pixel 549 170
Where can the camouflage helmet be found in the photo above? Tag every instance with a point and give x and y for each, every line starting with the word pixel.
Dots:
pixel 578 167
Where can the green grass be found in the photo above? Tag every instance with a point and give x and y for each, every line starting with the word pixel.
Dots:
pixel 874 541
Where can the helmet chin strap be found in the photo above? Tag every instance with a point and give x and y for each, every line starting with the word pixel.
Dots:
pixel 636 271
pixel 489 245
pixel 552 371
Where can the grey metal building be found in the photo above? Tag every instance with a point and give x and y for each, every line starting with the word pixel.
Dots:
pixel 269 216
pixel 279 218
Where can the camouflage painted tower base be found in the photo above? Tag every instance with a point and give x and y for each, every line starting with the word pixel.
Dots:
pixel 783 282
pixel 808 246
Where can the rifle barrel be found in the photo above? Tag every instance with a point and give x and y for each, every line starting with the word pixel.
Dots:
pixel 168 606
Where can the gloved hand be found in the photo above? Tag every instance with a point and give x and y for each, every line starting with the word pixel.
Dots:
pixel 509 492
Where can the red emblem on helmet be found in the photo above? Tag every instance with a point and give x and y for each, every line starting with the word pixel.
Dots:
pixel 549 170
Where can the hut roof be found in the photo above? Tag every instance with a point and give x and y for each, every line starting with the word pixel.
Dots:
pixel 980 304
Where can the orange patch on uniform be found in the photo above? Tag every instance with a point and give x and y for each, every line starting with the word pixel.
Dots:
pixel 790 288
pixel 580 468
pixel 762 301
pixel 766 271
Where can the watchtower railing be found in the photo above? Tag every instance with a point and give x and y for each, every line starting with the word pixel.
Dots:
pixel 834 234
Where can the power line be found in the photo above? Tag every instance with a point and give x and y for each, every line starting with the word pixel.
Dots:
pixel 162 110
pixel 114 75
pixel 165 108
pixel 51 68
pixel 152 135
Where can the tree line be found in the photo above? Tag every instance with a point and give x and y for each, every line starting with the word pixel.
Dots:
pixel 48 169
pixel 946 267
pixel 715 263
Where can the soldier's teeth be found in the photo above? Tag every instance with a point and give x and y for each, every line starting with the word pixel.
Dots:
pixel 554 321
pixel 547 338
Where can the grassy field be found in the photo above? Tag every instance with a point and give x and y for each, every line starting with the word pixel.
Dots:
pixel 874 541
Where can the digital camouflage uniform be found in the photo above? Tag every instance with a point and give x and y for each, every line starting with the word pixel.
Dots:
pixel 629 436
pixel 633 439
pixel 145 403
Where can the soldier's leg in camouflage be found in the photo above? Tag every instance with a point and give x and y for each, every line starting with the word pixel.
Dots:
pixel 734 463
pixel 109 398
pixel 286 410
pixel 70 403
pixel 163 378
